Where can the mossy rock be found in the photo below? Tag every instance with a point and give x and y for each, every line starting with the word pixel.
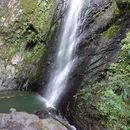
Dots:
pixel 27 23
pixel 111 32
pixel 29 5
pixel 123 1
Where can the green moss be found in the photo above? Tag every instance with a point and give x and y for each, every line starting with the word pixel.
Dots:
pixel 29 29
pixel 28 5
pixel 113 109
pixel 42 16
pixel 27 34
pixel 116 12
pixel 34 55
pixel 111 32
pixel 123 1
pixel 110 97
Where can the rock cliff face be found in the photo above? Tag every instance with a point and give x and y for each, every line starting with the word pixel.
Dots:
pixel 9 11
pixel 23 28
pixel 105 46
pixel 103 28
pixel 96 49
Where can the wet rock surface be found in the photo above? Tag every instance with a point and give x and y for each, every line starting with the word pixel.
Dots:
pixel 104 49
pixel 19 56
pixel 95 51
pixel 56 115
pixel 24 121
pixel 104 26
pixel 9 12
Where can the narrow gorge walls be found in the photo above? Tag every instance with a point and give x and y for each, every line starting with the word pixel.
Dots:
pixel 93 55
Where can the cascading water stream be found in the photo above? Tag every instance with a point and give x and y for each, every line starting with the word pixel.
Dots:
pixel 65 57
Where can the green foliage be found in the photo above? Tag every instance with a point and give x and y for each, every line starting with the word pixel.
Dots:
pixel 120 71
pixel 29 5
pixel 29 30
pixel 26 36
pixel 111 32
pixel 35 54
pixel 111 97
pixel 42 15
pixel 122 1
pixel 114 103
pixel 113 110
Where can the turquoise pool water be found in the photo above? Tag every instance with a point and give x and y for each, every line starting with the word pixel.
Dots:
pixel 21 101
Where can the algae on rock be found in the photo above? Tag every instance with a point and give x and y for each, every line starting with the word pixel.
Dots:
pixel 24 25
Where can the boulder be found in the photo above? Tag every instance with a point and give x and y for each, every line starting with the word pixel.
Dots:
pixel 24 121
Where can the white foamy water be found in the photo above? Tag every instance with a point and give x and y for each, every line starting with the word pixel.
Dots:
pixel 65 57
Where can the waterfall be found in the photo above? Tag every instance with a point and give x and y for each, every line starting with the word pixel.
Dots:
pixel 65 56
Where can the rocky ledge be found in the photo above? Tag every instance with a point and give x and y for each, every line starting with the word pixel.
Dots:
pixel 23 121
